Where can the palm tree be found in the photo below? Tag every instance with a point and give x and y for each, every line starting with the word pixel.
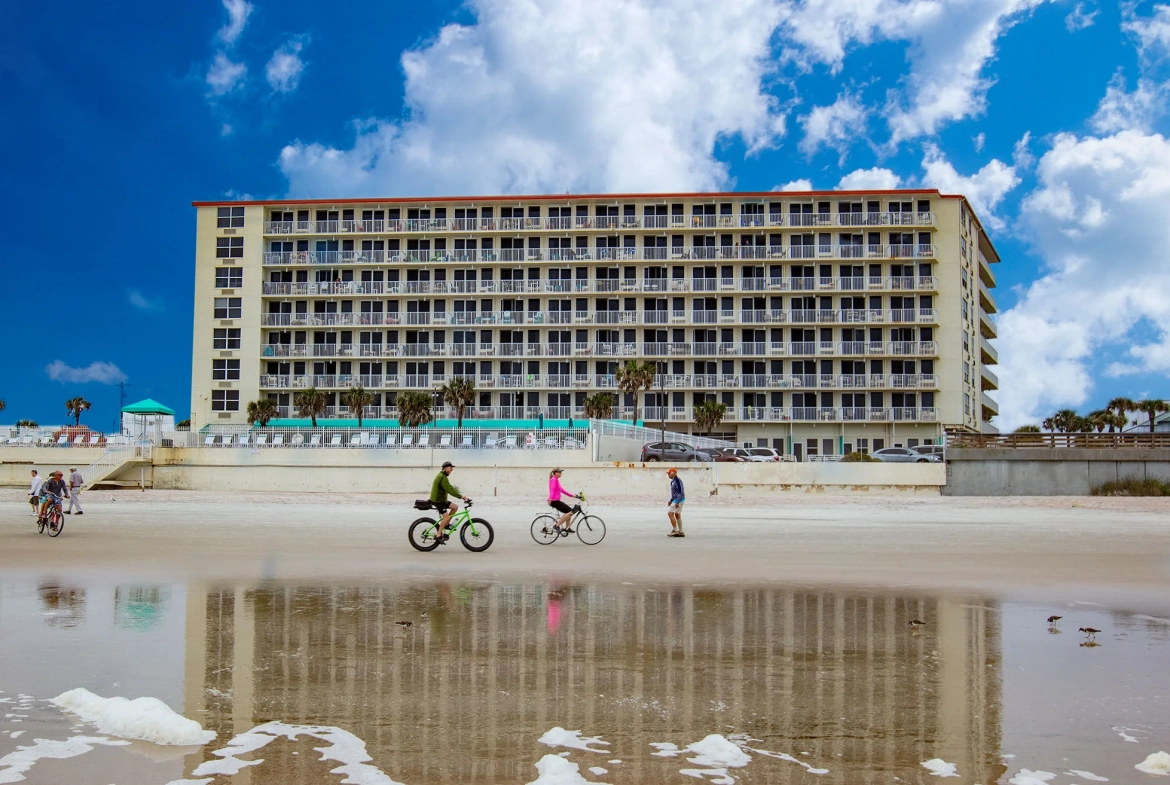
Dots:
pixel 2 406
pixel 75 406
pixel 261 410
pixel 599 406
pixel 310 403
pixel 708 414
pixel 460 393
pixel 1152 409
pixel 1098 420
pixel 633 377
pixel 1064 421
pixel 414 408
pixel 1028 429
pixel 357 399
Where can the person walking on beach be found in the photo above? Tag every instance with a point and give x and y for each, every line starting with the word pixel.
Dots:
pixel 75 483
pixel 674 506
pixel 34 491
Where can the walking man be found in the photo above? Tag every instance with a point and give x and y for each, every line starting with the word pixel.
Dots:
pixel 674 507
pixel 34 491
pixel 75 483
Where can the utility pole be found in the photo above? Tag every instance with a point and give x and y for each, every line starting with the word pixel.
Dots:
pixel 121 404
pixel 662 398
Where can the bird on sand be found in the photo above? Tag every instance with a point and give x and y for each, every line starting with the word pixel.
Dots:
pixel 404 623
pixel 915 624
pixel 1090 632
pixel 423 615
pixel 1054 619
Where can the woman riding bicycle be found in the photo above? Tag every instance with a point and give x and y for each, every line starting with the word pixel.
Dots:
pixel 555 492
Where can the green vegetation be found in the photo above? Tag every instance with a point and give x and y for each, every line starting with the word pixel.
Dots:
pixel 859 457
pixel 75 406
pixel 1132 486
pixel 357 399
pixel 599 406
pixel 310 403
pixel 260 411
pixel 708 415
pixel 633 377
pixel 414 408
pixel 27 424
pixel 459 393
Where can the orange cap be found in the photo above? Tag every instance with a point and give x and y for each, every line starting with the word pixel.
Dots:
pixel 672 470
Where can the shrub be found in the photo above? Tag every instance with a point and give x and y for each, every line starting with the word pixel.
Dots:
pixel 859 457
pixel 1132 486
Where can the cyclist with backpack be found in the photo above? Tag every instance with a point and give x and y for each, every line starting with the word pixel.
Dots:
pixel 441 488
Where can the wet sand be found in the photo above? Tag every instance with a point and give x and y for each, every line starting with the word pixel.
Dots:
pixel 1037 546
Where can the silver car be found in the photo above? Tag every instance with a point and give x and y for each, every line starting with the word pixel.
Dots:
pixel 903 455
pixel 931 449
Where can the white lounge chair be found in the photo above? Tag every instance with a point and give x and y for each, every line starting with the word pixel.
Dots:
pixel 245 439
pixel 354 441
pixel 262 440
pixel 63 441
pixel 468 442
pixel 335 441
pixel 368 439
pixel 315 440
pixel 551 443
pixel 424 440
pixel 408 440
pixel 445 440
pixel 510 441
pixel 391 440
pixel 209 441
pixel 79 441
pixel 278 440
pixel 27 441
pixel 94 438
pixel 571 443
pixel 298 440
pixel 227 441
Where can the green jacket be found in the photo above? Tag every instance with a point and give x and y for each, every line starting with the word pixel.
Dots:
pixel 441 487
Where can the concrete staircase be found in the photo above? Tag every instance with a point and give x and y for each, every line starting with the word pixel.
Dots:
pixel 103 472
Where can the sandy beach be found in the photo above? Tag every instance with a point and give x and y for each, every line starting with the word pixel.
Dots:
pixel 998 545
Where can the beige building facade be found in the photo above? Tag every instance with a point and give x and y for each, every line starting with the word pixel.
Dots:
pixel 825 321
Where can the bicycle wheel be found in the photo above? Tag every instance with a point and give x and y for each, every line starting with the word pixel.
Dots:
pixel 422 534
pixel 591 530
pixel 41 524
pixel 479 540
pixel 542 529
pixel 56 523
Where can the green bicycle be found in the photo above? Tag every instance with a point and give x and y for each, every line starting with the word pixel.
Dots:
pixel 476 534
pixel 590 529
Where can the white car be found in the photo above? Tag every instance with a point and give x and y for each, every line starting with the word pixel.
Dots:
pixel 758 454
pixel 903 455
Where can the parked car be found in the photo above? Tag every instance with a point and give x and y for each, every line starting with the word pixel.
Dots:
pixel 764 454
pixel 721 455
pixel 903 455
pixel 674 452
pixel 931 449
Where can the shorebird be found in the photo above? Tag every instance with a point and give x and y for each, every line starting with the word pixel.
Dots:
pixel 1054 619
pixel 404 623
pixel 915 624
pixel 1089 631
pixel 423 615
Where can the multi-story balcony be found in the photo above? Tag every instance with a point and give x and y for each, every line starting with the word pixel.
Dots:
pixel 631 349
pixel 600 223
pixel 704 253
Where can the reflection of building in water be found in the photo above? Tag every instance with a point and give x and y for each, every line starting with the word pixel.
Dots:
pixel 140 607
pixel 836 675
pixel 63 606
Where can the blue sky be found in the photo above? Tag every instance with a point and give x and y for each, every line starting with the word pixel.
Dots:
pixel 1048 115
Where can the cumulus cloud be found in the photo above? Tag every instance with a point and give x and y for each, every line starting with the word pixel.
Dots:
pixel 224 76
pixel 837 125
pixel 285 68
pixel 875 179
pixel 238 12
pixel 1152 32
pixel 1096 219
pixel 1080 19
pixel 949 46
pixel 544 96
pixel 796 185
pixel 100 372
pixel 1121 110
pixel 985 189
pixel 144 303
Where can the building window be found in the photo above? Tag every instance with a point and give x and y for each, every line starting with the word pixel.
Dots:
pixel 225 400
pixel 227 307
pixel 229 278
pixel 228 338
pixel 966 404
pixel 230 217
pixel 225 370
pixel 229 247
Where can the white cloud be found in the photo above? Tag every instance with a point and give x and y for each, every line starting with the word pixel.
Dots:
pixel 979 141
pixel 100 372
pixel 1080 19
pixel 544 96
pixel 1022 158
pixel 238 12
pixel 223 75
pixel 1120 110
pixel 1097 220
pixel 949 45
pixel 225 130
pixel 985 189
pixel 795 185
pixel 836 126
pixel 144 303
pixel 875 179
pixel 1152 32
pixel 285 68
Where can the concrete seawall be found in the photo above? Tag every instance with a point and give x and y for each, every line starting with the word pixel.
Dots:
pixel 1047 472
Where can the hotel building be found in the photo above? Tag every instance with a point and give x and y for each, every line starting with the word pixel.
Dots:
pixel 826 321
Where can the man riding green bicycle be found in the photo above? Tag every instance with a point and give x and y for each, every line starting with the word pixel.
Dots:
pixel 440 489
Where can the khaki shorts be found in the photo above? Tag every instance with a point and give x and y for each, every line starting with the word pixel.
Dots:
pixel 675 507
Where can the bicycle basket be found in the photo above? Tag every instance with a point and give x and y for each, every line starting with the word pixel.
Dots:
pixel 423 504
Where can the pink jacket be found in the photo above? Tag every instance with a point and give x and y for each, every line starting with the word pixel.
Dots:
pixel 555 491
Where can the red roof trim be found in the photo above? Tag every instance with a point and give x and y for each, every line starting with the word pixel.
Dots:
pixel 574 197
